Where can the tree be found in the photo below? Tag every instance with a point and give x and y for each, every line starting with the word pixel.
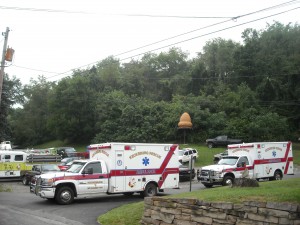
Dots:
pixel 11 95
pixel 30 122
pixel 71 109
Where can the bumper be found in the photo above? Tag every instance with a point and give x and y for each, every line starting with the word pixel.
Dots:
pixel 210 180
pixel 43 192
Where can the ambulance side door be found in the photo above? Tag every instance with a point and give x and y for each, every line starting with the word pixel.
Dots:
pixel 93 180
pixel 121 167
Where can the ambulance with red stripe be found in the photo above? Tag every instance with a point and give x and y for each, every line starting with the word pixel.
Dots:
pixel 264 160
pixel 114 168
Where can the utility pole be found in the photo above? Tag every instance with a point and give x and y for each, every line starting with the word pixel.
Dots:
pixel 3 61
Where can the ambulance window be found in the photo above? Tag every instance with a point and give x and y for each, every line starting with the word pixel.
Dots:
pixel 243 160
pixel 96 167
pixel 7 157
pixel 18 157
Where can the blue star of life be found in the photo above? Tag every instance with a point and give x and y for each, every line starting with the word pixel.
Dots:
pixel 274 153
pixel 146 161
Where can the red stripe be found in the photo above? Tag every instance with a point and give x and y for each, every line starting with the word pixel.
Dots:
pixel 286 159
pixel 99 147
pixel 81 177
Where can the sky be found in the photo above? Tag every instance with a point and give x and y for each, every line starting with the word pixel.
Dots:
pixel 54 37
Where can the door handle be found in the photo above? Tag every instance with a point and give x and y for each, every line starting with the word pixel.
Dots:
pixel 101 177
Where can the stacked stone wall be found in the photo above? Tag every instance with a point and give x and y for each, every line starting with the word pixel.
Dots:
pixel 165 211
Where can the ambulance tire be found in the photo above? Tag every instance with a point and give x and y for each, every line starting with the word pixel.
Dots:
pixel 64 195
pixel 150 190
pixel 25 181
pixel 277 175
pixel 227 181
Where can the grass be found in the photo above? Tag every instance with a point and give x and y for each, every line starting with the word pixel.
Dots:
pixel 273 191
pixel 57 143
pixel 4 188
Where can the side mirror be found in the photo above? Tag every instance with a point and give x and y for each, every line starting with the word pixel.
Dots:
pixel 88 171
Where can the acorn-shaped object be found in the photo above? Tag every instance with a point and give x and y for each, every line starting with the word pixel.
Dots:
pixel 185 121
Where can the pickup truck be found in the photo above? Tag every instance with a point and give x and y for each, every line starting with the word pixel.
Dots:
pixel 222 140
pixel 38 169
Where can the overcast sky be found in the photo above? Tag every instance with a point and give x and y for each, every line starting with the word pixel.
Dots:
pixel 52 37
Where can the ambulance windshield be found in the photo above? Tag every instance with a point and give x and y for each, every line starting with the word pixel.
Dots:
pixel 76 167
pixel 229 160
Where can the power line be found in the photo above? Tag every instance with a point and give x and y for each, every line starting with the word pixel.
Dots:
pixel 202 28
pixel 173 44
pixel 111 14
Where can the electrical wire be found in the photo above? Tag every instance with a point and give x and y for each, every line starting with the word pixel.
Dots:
pixel 176 43
pixel 173 44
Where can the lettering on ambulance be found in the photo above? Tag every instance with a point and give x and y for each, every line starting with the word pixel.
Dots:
pixel 99 151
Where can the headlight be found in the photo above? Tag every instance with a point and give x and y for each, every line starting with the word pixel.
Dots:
pixel 47 182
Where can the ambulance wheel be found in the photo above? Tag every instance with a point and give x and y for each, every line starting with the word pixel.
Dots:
pixel 227 181
pixel 25 181
pixel 208 185
pixel 277 175
pixel 64 196
pixel 150 190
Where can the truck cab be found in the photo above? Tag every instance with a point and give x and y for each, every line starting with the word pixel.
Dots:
pixel 82 178
pixel 225 171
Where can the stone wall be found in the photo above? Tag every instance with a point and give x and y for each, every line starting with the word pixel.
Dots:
pixel 164 211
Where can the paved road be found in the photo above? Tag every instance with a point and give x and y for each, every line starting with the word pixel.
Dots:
pixel 20 207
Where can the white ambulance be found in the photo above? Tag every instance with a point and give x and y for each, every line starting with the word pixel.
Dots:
pixel 114 168
pixel 261 160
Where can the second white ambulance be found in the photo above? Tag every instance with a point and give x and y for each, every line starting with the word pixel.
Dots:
pixel 262 160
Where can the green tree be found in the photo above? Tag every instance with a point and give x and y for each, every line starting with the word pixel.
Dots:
pixel 29 124
pixel 11 95
pixel 71 109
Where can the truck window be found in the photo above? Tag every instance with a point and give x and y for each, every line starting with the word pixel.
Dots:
pixel 7 158
pixel 96 167
pixel 18 157
pixel 228 160
pixel 242 160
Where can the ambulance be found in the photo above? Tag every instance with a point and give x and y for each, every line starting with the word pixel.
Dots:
pixel 114 168
pixel 261 160
pixel 14 164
